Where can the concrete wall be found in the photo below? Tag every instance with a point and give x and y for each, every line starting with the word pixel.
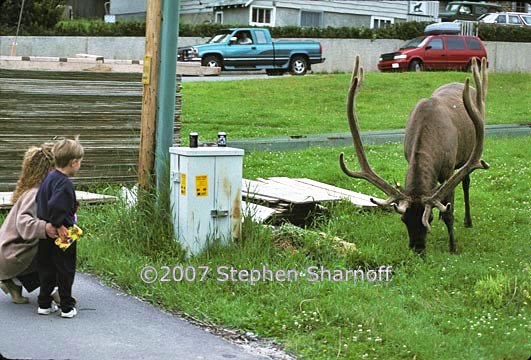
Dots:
pixel 339 53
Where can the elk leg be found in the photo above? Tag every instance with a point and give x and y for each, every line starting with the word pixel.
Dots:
pixel 448 218
pixel 466 186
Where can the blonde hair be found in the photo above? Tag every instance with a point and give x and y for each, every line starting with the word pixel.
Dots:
pixel 36 164
pixel 66 150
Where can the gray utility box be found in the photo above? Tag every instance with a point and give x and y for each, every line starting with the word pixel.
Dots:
pixel 206 195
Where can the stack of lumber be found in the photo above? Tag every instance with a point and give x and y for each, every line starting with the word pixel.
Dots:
pixel 104 108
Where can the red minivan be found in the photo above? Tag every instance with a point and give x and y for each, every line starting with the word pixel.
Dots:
pixel 434 52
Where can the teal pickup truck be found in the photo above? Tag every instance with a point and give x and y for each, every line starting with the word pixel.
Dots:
pixel 253 49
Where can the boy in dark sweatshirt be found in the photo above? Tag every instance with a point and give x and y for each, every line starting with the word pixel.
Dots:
pixel 56 203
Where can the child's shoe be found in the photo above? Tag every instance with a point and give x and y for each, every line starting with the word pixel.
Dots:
pixel 70 314
pixel 47 311
pixel 9 287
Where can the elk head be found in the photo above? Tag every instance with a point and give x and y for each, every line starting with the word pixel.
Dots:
pixel 466 120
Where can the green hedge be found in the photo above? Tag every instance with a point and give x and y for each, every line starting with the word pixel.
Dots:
pixel 403 30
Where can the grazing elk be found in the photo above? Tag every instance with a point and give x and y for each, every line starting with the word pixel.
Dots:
pixel 443 133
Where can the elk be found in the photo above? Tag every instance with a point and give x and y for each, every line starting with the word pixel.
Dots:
pixel 443 144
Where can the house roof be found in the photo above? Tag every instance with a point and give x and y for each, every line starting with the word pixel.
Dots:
pixel 234 3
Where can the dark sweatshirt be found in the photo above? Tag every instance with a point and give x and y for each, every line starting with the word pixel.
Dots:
pixel 56 200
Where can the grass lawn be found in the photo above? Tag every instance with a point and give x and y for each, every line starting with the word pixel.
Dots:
pixel 472 305
pixel 315 104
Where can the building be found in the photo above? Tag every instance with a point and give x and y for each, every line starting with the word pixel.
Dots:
pixel 316 13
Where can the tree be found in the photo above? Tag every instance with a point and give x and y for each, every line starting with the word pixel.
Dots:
pixel 38 15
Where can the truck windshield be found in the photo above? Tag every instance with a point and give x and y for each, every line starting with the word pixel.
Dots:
pixel 219 38
pixel 413 43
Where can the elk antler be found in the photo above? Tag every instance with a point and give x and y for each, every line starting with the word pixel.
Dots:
pixel 366 172
pixel 477 114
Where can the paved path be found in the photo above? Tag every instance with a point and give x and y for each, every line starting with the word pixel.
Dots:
pixel 109 325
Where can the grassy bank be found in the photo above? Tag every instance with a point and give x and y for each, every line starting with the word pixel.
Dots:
pixel 316 104
pixel 472 305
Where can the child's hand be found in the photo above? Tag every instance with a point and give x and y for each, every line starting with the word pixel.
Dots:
pixel 51 231
pixel 62 232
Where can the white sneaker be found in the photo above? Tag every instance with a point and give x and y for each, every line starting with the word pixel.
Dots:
pixel 70 314
pixel 47 311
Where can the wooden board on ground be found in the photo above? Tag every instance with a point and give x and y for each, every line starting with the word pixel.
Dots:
pixel 298 201
pixel 258 213
pixel 87 62
pixel 84 197
pixel 301 191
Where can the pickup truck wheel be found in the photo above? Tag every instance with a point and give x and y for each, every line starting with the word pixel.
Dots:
pixel 211 61
pixel 298 65
pixel 415 65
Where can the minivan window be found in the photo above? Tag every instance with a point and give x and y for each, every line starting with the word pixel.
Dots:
pixel 436 44
pixel 455 43
pixel 413 43
pixel 473 44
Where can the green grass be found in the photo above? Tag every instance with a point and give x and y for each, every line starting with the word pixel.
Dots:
pixel 472 305
pixel 316 104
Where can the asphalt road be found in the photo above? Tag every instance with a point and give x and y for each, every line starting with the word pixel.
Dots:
pixel 109 325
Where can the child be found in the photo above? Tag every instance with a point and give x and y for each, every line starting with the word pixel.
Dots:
pixel 56 203
pixel 21 230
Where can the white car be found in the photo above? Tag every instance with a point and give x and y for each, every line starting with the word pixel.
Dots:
pixel 506 18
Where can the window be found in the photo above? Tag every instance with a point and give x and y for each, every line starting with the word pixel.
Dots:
pixel 436 44
pixel 464 10
pixel 480 10
pixel 260 37
pixel 312 19
pixel 515 20
pixel 501 19
pixel 379 22
pixel 261 16
pixel 520 6
pixel 455 43
pixel 219 17
pixel 473 44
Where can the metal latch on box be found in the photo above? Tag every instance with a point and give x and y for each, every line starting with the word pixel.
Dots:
pixel 219 213
pixel 175 176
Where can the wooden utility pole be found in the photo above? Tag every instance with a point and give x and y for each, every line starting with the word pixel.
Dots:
pixel 150 79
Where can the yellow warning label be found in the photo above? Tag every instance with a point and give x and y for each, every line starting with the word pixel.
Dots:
pixel 201 185
pixel 183 184
pixel 146 70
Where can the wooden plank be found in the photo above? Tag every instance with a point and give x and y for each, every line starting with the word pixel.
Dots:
pixel 83 196
pixel 271 189
pixel 258 213
pixel 97 64
pixel 317 193
pixel 354 197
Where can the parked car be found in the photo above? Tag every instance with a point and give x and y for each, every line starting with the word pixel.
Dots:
pixel 434 52
pixel 467 10
pixel 506 18
pixel 253 49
